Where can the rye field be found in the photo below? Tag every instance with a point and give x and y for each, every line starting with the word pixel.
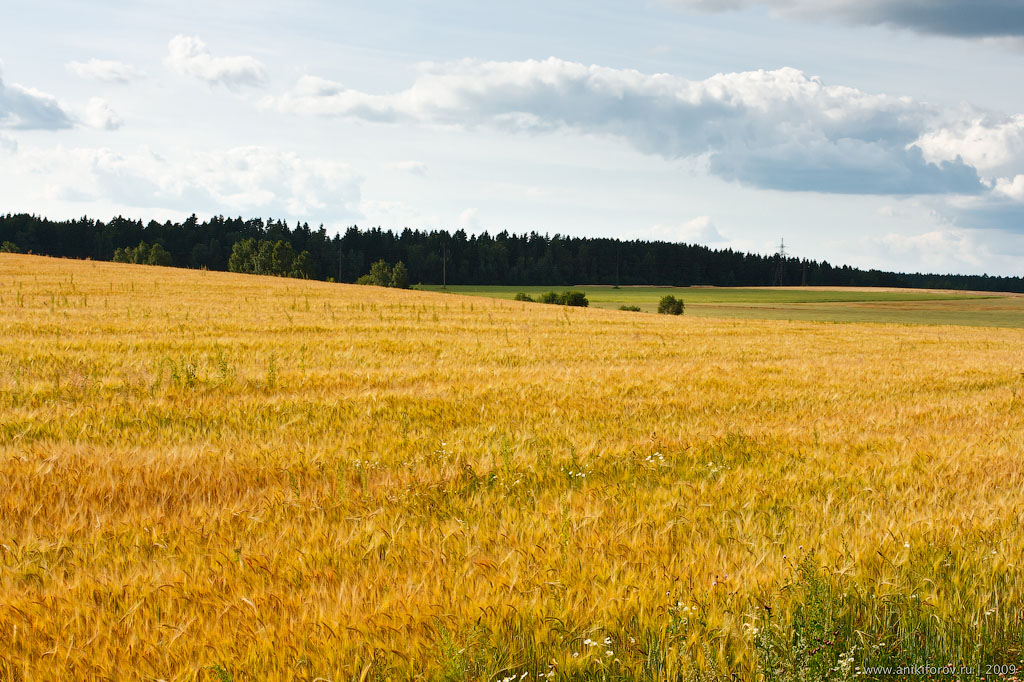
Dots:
pixel 210 476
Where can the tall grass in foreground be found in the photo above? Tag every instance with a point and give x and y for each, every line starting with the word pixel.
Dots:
pixel 219 477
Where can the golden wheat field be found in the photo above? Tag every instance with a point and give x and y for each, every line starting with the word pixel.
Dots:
pixel 209 476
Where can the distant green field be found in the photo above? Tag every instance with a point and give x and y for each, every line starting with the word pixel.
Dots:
pixel 902 306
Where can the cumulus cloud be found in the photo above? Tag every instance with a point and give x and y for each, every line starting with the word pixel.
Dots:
pixel 942 250
pixel 190 56
pixel 775 129
pixel 469 219
pixel 1012 188
pixel 962 18
pixel 702 231
pixel 395 213
pixel 98 114
pixel 29 109
pixel 781 130
pixel 992 143
pixel 699 230
pixel 104 70
pixel 249 180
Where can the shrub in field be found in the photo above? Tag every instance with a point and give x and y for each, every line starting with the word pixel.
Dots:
pixel 378 276
pixel 137 254
pixel 383 274
pixel 570 298
pixel 302 266
pixel 399 276
pixel 265 257
pixel 524 297
pixel 551 297
pixel 575 298
pixel 244 256
pixel 630 308
pixel 282 255
pixel 144 254
pixel 9 247
pixel 670 305
pixel 158 255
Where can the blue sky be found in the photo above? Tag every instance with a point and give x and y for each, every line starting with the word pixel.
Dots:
pixel 880 133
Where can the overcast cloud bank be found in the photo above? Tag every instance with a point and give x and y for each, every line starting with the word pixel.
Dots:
pixel 961 18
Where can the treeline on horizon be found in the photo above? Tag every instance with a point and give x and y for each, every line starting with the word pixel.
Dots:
pixel 499 259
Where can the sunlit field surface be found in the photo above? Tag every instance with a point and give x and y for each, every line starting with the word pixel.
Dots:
pixel 820 304
pixel 227 477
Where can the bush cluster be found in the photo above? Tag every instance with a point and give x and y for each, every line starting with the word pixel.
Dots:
pixel 383 274
pixel 144 254
pixel 266 257
pixel 670 305
pixel 571 298
pixel 630 308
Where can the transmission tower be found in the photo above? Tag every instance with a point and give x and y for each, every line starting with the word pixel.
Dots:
pixel 780 265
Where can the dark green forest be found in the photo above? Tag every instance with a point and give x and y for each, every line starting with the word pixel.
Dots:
pixel 502 258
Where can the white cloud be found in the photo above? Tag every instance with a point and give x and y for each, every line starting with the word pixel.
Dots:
pixel 397 214
pixel 1011 187
pixel 190 56
pixel 699 230
pixel 98 114
pixel 28 108
pixel 250 180
pixel 107 71
pixel 963 18
pixel 469 220
pixel 702 230
pixel 413 167
pixel 940 250
pixel 994 144
pixel 8 144
pixel 776 129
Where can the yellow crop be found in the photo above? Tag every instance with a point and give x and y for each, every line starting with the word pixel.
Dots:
pixel 215 476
